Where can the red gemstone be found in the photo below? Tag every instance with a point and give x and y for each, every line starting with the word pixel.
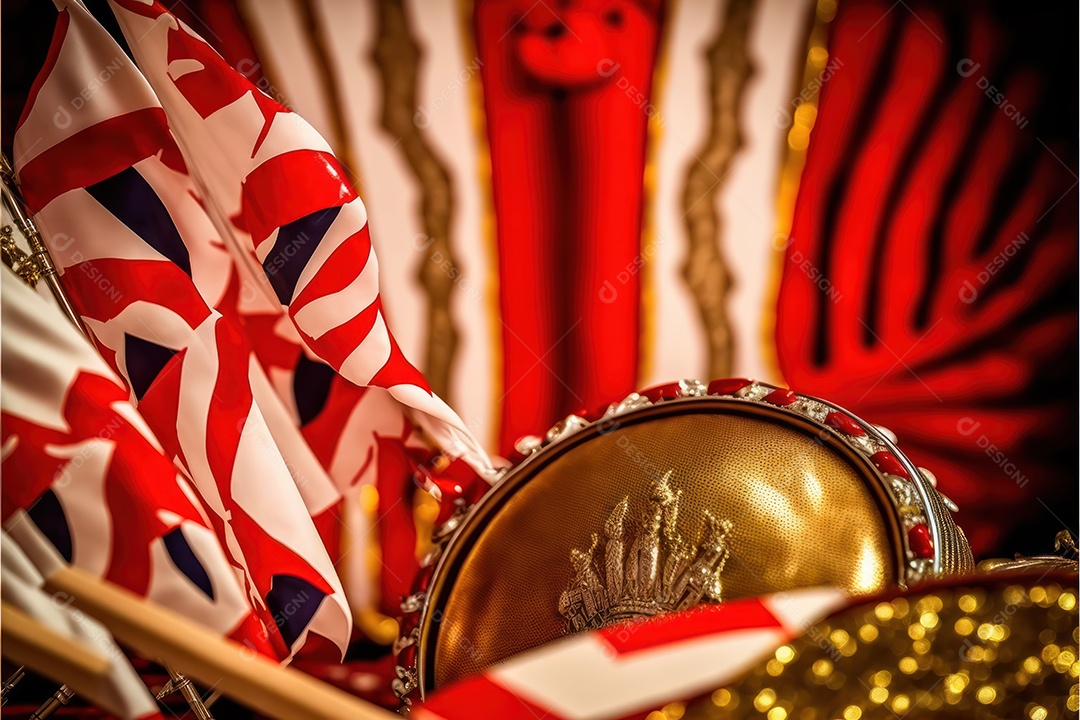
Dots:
pixel 408 623
pixel 844 423
pixel 918 538
pixel 590 415
pixel 781 396
pixel 407 657
pixel 886 462
pixel 728 386
pixel 656 393
pixel 423 577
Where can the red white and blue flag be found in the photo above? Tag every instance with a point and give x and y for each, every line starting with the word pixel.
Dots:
pixel 111 194
pixel 81 464
pixel 293 214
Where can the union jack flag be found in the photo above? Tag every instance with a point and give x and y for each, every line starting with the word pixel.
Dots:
pixel 81 464
pixel 290 203
pixel 106 180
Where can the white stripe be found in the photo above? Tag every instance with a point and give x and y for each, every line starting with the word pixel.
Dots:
pixel 172 589
pixel 309 476
pixel 128 412
pixel 41 355
pixel 370 355
pixel 93 80
pixel 261 485
pixel 582 678
pixel 377 414
pixel 748 203
pixel 183 66
pixel 80 488
pixel 798 610
pixel 77 228
pixel 211 265
pixel 448 82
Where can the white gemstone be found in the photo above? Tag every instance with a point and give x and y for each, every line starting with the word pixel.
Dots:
pixel 930 477
pixel 693 388
pixel 888 433
pixel 754 391
pixel 528 444
pixel 919 569
pixel 903 491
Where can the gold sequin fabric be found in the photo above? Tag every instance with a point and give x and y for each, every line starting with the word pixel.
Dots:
pixel 988 648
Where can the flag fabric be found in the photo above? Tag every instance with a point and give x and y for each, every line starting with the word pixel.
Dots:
pixel 81 464
pixel 122 693
pixel 102 179
pixel 297 220
pixel 636 666
pixel 357 434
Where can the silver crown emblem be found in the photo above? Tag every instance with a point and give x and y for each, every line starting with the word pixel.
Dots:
pixel 660 573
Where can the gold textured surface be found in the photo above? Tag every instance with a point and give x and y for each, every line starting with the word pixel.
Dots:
pixel 1005 651
pixel 801 512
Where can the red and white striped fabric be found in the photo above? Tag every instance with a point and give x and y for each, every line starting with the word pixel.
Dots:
pixel 102 178
pixel 628 669
pixel 289 201
pixel 80 463
pixel 120 692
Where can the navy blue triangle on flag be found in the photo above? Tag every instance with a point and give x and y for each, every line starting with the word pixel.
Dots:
pixel 144 361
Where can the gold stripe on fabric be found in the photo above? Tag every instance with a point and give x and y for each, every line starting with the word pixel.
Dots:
pixel 706 274
pixel 397 57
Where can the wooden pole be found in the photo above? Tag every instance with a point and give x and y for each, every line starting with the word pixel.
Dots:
pixel 250 678
pixel 39 647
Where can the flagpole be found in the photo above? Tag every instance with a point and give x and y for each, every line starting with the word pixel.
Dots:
pixel 181 684
pixel 11 682
pixel 59 699
pixel 39 266
pixel 39 259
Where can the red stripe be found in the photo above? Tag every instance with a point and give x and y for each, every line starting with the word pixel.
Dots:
pixel 693 624
pixel 59 33
pixel 343 266
pixel 399 371
pixel 232 403
pixel 101 289
pixel 463 699
pixel 290 186
pixel 337 344
pixel 96 153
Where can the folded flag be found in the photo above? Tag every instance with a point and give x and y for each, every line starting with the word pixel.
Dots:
pixel 102 182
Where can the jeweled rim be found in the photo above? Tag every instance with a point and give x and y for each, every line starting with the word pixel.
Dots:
pixel 932 544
